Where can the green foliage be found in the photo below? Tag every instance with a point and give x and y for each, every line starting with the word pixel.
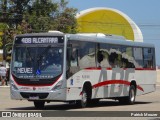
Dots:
pixel 45 15
pixel 26 16
pixel 3 28
pixel 66 21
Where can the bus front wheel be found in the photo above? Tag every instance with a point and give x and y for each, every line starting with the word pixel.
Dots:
pixel 39 104
pixel 84 99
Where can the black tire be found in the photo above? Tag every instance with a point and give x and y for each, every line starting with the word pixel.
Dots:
pixel 132 95
pixel 84 100
pixel 130 99
pixel 122 100
pixel 39 104
pixel 93 102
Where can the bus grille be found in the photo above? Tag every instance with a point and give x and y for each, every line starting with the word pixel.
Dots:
pixel 39 82
pixel 40 95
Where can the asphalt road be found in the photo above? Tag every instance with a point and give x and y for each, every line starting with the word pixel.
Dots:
pixel 148 102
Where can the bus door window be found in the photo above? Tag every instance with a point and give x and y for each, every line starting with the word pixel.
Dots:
pixel 74 67
pixel 74 57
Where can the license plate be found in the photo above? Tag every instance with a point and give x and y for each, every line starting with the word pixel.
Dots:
pixel 33 97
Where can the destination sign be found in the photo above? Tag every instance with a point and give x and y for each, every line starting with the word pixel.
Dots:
pixel 39 40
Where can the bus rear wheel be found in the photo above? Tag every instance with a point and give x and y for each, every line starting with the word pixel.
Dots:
pixel 130 99
pixel 132 95
pixel 39 104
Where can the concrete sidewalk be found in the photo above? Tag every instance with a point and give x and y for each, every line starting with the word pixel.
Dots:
pixel 5 85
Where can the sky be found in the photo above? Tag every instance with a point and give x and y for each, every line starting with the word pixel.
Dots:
pixel 145 13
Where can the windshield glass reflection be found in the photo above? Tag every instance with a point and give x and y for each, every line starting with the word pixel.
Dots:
pixel 41 62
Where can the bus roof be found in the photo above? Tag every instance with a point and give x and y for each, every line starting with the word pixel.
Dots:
pixel 108 39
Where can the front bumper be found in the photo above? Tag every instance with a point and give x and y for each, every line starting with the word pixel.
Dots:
pixel 58 95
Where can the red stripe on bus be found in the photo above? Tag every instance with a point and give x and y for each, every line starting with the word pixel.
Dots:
pixel 145 68
pixel 140 88
pixel 115 82
pixel 99 68
pixel 93 68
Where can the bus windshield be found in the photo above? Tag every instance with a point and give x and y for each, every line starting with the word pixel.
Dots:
pixel 37 61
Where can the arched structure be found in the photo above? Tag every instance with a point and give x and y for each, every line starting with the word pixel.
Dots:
pixel 108 21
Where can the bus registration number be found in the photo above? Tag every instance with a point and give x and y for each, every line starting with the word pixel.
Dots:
pixel 34 97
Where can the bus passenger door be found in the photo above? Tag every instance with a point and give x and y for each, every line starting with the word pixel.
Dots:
pixel 72 61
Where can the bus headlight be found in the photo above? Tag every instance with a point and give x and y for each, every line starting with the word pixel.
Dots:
pixel 58 85
pixel 13 86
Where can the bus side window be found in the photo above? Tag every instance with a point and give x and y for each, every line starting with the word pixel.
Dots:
pixel 148 57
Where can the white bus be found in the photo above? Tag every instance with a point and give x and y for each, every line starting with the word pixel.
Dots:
pixel 81 68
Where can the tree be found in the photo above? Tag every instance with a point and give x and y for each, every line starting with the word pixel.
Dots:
pixel 38 15
pixel 44 15
pixel 65 20
pixel 3 28
pixel 25 16
pixel 11 16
